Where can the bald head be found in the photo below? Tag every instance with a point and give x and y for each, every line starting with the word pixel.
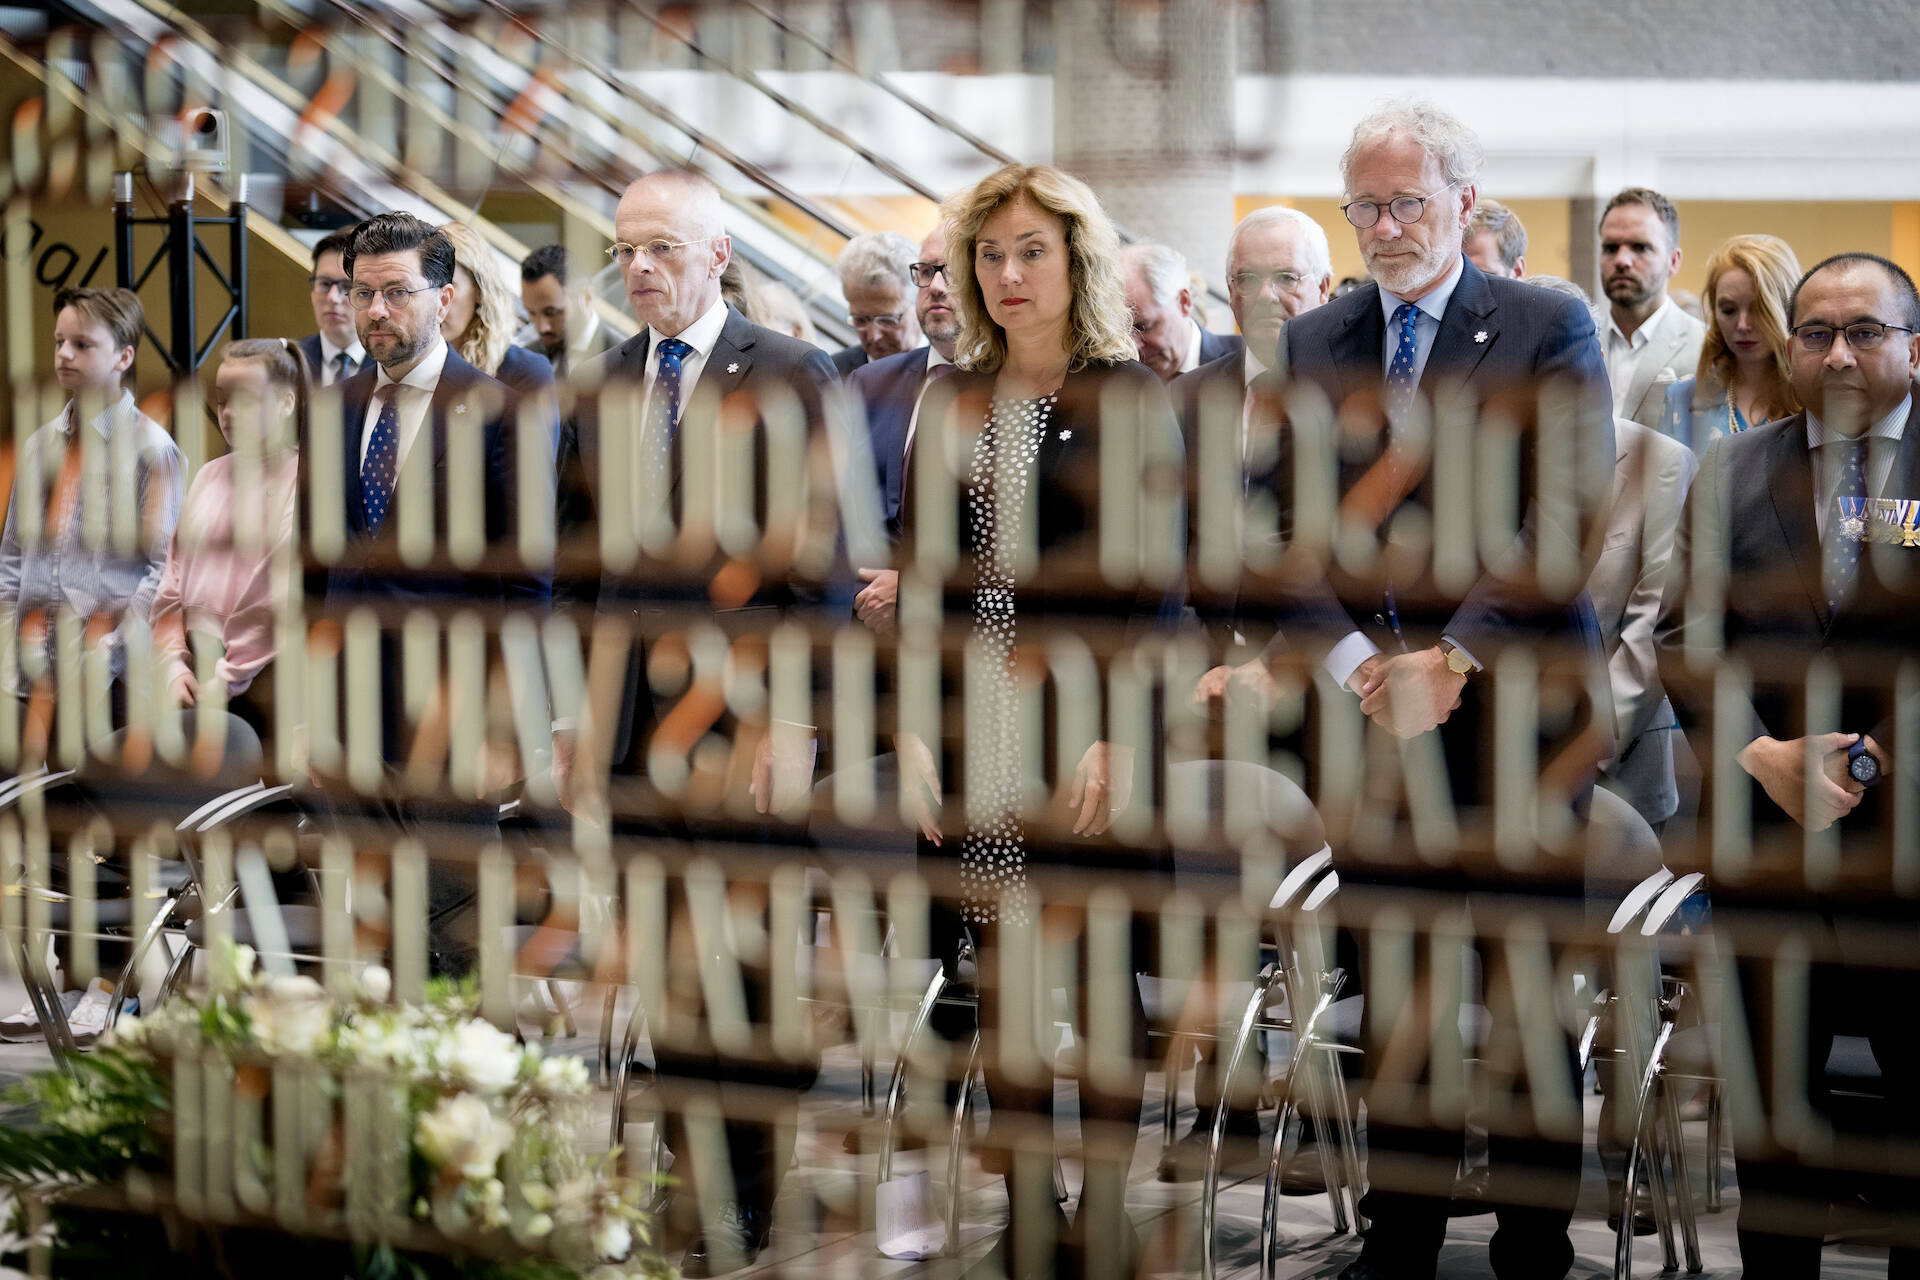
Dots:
pixel 675 222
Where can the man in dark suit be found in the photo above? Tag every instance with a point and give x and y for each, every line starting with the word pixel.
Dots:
pixel 1416 651
pixel 1799 538
pixel 567 329
pixel 334 354
pixel 1279 265
pixel 892 389
pixel 399 414
pixel 694 351
pixel 1160 293
pixel 874 279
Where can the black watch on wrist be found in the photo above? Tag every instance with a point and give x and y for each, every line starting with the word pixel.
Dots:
pixel 1861 766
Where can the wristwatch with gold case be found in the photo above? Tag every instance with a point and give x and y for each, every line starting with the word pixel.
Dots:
pixel 1457 660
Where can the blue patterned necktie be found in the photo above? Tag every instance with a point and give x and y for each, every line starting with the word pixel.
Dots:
pixel 377 469
pixel 1400 379
pixel 1843 536
pixel 667 385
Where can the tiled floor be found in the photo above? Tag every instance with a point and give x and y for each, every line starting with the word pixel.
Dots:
pixel 828 1196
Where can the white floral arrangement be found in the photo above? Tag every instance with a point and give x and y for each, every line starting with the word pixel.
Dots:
pixel 494 1125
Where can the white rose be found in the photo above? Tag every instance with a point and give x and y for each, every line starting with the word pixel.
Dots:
pixel 244 959
pixel 562 1075
pixel 462 1133
pixel 290 1015
pixel 612 1238
pixel 376 984
pixel 480 1054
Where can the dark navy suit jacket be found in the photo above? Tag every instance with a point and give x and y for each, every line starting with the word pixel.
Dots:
pixel 1215 346
pixel 370 572
pixel 1498 339
pixel 847 359
pixel 889 388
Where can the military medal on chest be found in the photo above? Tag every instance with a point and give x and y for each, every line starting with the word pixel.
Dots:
pixel 1853 518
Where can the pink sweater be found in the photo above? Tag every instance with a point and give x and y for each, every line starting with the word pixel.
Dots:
pixel 212 587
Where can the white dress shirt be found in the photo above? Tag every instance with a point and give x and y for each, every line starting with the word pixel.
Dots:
pixel 1354 648
pixel 330 359
pixel 1883 447
pixel 701 335
pixel 412 400
pixel 934 361
pixel 1191 360
pixel 1623 352
pixel 1426 324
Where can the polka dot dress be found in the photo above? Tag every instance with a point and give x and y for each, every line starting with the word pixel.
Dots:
pixel 993 853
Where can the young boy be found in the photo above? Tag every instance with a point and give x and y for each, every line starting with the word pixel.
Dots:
pixel 99 460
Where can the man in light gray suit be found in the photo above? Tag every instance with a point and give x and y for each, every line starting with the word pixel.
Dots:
pixel 1650 342
pixel 1650 479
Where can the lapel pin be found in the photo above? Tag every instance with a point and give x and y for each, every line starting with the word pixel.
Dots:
pixel 459 409
pixel 1066 435
pixel 734 367
pixel 1480 336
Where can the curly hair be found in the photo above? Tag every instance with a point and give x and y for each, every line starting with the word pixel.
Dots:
pixel 490 332
pixel 1770 262
pixel 1099 325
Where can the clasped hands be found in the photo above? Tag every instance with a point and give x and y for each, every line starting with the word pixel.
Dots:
pixel 1408 694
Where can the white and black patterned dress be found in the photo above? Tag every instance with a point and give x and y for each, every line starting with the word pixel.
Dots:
pixel 993 853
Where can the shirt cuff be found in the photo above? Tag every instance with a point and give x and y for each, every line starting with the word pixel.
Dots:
pixel 1353 649
pixel 1464 651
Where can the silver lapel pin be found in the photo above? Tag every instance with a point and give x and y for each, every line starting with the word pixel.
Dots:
pixel 1480 336
pixel 734 367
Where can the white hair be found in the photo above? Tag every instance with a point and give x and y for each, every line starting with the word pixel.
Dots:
pixel 1312 235
pixel 877 257
pixel 1164 268
pixel 1453 146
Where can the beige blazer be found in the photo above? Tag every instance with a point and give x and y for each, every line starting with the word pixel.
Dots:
pixel 1672 353
pixel 1650 480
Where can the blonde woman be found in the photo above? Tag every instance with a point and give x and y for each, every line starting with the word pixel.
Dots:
pixel 1742 379
pixel 1045 344
pixel 480 322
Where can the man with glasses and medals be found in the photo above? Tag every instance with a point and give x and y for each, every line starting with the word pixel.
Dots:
pixel 1803 579
pixel 1419 651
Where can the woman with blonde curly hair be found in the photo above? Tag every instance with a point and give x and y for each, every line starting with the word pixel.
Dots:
pixel 480 320
pixel 1045 346
pixel 1742 379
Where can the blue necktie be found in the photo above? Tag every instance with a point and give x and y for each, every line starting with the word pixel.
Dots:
pixel 667 385
pixel 378 467
pixel 1843 538
pixel 1400 379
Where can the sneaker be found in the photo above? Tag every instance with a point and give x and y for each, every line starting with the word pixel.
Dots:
pixel 23 1026
pixel 88 1021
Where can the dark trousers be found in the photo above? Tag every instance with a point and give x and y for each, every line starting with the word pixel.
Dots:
pixel 1412 1158
pixel 1783 1195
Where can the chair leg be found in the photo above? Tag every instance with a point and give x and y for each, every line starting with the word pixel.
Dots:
pixel 1176 1046
pixel 896 1087
pixel 1349 1140
pixel 623 1075
pixel 604 1060
pixel 1270 1197
pixel 176 973
pixel 45 1001
pixel 957 1146
pixel 1319 1107
pixel 1713 1146
pixel 1243 1036
pixel 1645 1147
pixel 129 978
pixel 1683 1184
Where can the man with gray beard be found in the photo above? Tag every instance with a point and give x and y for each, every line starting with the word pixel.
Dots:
pixel 1418 651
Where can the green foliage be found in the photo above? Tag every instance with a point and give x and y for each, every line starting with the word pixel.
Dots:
pixel 96 1121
